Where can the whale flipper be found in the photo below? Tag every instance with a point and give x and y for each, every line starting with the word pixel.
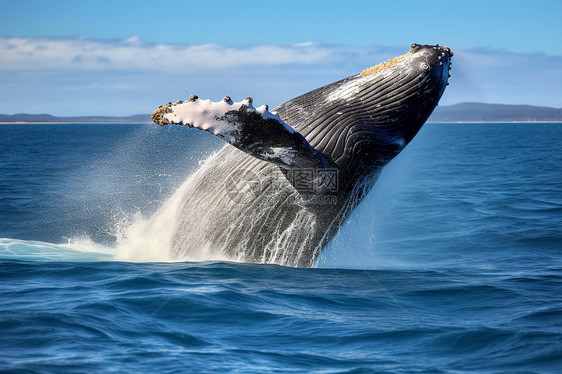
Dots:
pixel 256 131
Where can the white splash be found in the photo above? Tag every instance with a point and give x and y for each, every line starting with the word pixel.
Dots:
pixel 151 240
pixel 74 250
pixel 203 222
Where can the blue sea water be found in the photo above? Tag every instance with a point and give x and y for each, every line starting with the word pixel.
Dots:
pixel 452 264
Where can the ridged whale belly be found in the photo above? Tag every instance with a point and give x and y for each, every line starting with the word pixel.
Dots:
pixel 244 209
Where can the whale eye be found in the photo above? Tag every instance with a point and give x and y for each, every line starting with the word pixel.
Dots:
pixel 424 66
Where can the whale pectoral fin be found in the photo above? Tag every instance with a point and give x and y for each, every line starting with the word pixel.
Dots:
pixel 255 131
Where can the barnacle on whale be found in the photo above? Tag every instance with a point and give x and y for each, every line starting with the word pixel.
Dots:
pixel 157 116
pixel 384 65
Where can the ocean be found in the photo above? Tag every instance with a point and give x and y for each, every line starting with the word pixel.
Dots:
pixel 452 264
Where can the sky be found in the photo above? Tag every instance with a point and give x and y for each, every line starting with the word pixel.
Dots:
pixel 71 58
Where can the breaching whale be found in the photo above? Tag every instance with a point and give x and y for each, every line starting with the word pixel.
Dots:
pixel 288 178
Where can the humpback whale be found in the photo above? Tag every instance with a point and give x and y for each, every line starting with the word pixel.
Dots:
pixel 288 178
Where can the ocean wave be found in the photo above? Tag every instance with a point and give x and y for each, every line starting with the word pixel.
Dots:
pixel 253 318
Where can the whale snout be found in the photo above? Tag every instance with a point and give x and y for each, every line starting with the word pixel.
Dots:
pixel 416 47
pixel 436 54
pixel 434 59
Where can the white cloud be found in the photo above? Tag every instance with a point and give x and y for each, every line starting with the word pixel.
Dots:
pixel 135 54
pixel 88 76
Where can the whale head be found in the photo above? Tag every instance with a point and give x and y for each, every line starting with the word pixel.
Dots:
pixel 408 89
pixel 363 121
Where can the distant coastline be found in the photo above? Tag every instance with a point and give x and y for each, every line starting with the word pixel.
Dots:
pixel 74 123
pixel 143 123
pixel 25 118
pixel 495 113
pixel 487 122
pixel 452 114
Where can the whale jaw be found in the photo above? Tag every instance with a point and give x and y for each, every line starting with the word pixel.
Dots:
pixel 361 122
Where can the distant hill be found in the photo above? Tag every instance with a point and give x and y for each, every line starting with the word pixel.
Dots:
pixel 24 117
pixel 463 112
pixel 479 112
